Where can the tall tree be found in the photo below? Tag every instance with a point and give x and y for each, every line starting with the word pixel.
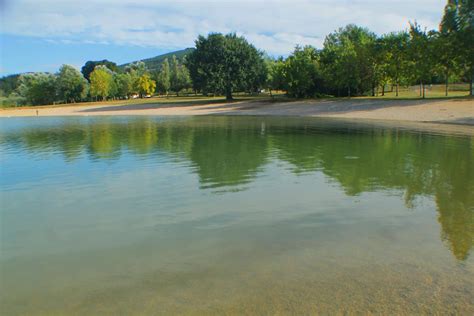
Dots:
pixel 276 75
pixel 223 64
pixel 71 85
pixel 446 41
pixel 101 82
pixel 179 76
pixel 163 78
pixel 301 72
pixel 396 45
pixel 146 86
pixel 466 38
pixel 346 60
pixel 420 51
pixel 136 71
pixel 124 83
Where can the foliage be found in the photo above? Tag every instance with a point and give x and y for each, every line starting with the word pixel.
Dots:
pixel 420 54
pixel 395 45
pixel 71 85
pixel 276 74
pixel 124 84
pixel 224 64
pixel 89 67
pixel 146 86
pixel 38 88
pixel 163 78
pixel 101 82
pixel 179 76
pixel 9 84
pixel 347 62
pixel 301 72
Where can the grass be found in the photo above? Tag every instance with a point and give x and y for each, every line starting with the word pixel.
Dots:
pixel 431 92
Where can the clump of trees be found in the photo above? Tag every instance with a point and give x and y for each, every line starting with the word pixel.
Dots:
pixel 353 61
pixel 69 85
pixel 38 88
pixel 172 77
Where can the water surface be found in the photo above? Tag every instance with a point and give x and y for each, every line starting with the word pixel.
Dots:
pixel 233 215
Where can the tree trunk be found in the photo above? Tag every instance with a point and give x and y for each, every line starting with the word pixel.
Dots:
pixel 470 84
pixel 349 91
pixel 423 89
pixel 396 93
pixel 383 90
pixel 447 82
pixel 228 94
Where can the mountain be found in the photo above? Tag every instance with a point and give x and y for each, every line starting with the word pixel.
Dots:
pixel 154 63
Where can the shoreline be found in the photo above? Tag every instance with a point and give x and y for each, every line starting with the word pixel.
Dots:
pixel 447 112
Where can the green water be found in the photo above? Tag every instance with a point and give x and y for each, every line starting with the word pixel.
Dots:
pixel 233 215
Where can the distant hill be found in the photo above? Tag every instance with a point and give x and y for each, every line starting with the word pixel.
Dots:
pixel 154 63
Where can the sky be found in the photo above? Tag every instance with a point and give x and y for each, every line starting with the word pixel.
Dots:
pixel 41 35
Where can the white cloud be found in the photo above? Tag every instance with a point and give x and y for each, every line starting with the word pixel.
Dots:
pixel 275 26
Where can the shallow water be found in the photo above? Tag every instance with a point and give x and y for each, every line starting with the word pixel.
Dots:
pixel 233 215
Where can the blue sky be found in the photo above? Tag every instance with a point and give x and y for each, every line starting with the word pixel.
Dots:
pixel 40 35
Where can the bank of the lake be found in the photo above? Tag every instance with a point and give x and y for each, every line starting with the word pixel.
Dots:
pixel 454 111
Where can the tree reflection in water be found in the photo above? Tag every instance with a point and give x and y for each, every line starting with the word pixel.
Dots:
pixel 231 151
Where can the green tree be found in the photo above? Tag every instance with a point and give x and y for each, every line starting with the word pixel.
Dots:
pixel 179 76
pixel 420 51
pixel 276 75
pixel 38 88
pixel 224 64
pixel 9 84
pixel 139 68
pixel 301 72
pixel 70 84
pixel 124 84
pixel 380 54
pixel 136 70
pixel 346 60
pixel 163 78
pixel 101 82
pixel 396 46
pixel 446 42
pixel 89 67
pixel 466 38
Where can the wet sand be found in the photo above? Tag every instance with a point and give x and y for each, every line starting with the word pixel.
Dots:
pixel 453 111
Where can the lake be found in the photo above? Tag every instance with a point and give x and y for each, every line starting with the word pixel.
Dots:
pixel 233 215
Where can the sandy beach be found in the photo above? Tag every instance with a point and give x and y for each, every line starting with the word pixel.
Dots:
pixel 453 111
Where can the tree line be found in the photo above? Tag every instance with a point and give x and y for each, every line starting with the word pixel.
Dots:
pixel 353 61
pixel 97 81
